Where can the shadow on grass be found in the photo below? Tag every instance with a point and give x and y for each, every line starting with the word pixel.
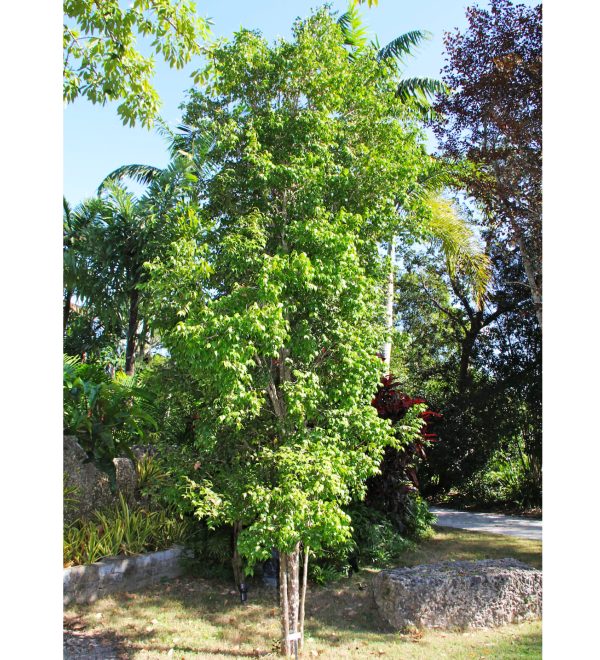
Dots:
pixel 200 617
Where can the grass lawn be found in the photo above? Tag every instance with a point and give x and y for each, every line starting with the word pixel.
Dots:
pixel 199 618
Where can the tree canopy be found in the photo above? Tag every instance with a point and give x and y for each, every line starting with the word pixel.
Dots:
pixel 102 61
pixel 493 117
pixel 310 152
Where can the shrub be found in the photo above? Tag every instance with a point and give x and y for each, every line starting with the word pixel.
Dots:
pixel 375 537
pixel 395 490
pixel 106 414
pixel 510 476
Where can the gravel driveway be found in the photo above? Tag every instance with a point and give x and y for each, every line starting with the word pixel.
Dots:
pixel 492 523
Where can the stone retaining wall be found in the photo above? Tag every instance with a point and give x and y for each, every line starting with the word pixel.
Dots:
pixel 85 584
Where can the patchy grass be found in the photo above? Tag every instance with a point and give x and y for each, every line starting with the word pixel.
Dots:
pixel 198 618
pixel 449 544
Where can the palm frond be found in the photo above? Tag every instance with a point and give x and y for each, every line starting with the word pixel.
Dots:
pixel 403 46
pixel 420 89
pixel 194 144
pixel 353 30
pixel 143 174
pixel 464 255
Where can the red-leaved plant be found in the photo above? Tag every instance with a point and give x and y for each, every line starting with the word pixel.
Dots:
pixel 391 403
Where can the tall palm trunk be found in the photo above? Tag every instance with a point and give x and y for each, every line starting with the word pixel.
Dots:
pixel 67 309
pixel 132 327
pixel 389 306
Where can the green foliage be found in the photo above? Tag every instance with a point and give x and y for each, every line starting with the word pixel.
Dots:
pixel 459 245
pixel 121 530
pixel 120 234
pixel 107 415
pixel 418 519
pixel 376 539
pixel 510 476
pixel 102 62
pixel 278 324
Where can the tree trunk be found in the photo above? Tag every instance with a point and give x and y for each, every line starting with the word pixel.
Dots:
pixel 132 327
pixel 293 569
pixel 389 306
pixel 303 596
pixel 284 604
pixel 289 596
pixel 67 310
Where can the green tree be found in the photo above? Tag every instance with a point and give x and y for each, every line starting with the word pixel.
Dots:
pixel 479 364
pixel 124 232
pixel 101 59
pixel 439 222
pixel 279 319
pixel 75 222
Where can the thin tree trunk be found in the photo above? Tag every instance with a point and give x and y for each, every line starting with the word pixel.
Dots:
pixel 389 306
pixel 466 352
pixel 67 310
pixel 294 587
pixel 132 327
pixel 284 604
pixel 303 596
pixel 536 291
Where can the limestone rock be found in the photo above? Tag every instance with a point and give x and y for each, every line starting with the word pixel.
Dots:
pixel 93 491
pixel 459 594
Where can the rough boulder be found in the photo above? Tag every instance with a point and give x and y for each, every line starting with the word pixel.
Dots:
pixel 459 594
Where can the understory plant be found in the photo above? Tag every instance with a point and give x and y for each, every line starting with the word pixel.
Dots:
pixel 395 490
pixel 121 530
pixel 106 414
pixel 511 476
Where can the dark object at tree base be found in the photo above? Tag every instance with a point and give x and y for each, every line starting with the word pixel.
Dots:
pixel 270 576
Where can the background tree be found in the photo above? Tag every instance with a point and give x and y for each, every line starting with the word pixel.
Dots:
pixel 481 365
pixel 101 59
pixel 123 233
pixel 306 165
pixel 436 217
pixel 493 117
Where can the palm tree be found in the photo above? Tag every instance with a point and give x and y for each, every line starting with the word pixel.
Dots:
pixel 128 232
pixel 76 280
pixel 438 216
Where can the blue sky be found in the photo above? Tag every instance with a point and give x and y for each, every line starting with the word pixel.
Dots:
pixel 95 141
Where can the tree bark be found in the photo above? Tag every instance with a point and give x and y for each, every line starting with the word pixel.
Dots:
pixel 303 595
pixel 284 604
pixel 132 327
pixel 389 306
pixel 293 570
pixel 67 309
